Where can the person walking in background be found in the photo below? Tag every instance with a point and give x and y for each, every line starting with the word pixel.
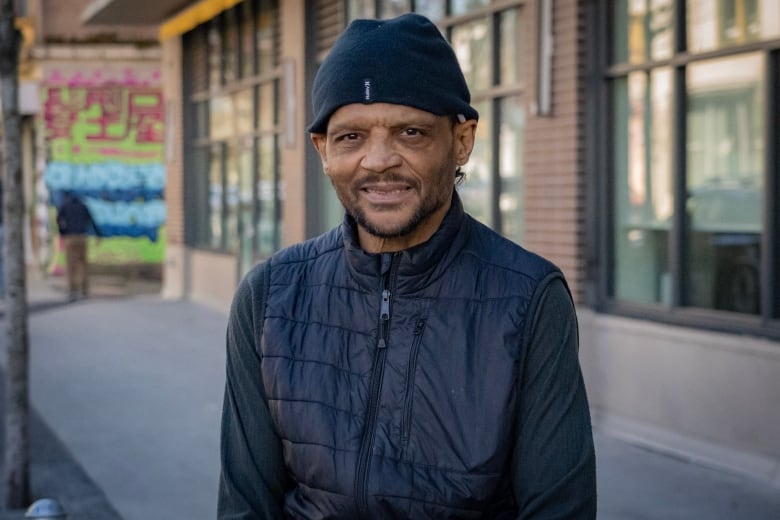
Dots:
pixel 75 223
pixel 410 363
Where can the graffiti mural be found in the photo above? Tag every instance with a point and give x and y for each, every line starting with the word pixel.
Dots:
pixel 104 141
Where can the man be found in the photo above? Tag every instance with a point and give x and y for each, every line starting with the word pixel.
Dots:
pixel 411 363
pixel 75 222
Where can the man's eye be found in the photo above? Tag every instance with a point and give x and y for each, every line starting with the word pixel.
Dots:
pixel 347 137
pixel 412 132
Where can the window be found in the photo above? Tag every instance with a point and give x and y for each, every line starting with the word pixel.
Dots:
pixel 233 185
pixel 487 39
pixel 693 153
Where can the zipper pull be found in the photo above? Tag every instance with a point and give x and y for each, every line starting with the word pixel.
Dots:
pixel 384 313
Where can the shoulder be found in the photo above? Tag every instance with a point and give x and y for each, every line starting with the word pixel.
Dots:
pixel 309 250
pixel 498 253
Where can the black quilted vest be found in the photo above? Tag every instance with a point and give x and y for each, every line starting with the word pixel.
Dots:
pixel 391 378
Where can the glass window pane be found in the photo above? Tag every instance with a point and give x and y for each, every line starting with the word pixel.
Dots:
pixel 510 165
pixel 643 188
pixel 464 6
pixel 393 8
pixel 221 117
pixel 231 199
pixel 201 111
pixel 266 37
pixel 433 9
pixel 713 24
pixel 230 47
pixel 215 54
pixel 267 107
pixel 643 30
pixel 196 58
pixel 243 105
pixel 724 182
pixel 512 50
pixel 476 190
pixel 361 9
pixel 248 62
pixel 267 225
pixel 216 197
pixel 198 191
pixel 246 201
pixel 471 42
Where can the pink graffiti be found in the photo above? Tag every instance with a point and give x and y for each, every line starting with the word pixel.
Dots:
pixel 119 112
pixel 127 77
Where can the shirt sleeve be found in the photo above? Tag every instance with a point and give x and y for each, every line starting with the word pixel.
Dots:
pixel 553 468
pixel 253 476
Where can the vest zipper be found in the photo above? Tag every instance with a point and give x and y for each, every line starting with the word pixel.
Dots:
pixel 377 373
pixel 406 419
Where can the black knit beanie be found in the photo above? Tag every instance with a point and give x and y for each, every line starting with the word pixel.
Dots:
pixel 404 61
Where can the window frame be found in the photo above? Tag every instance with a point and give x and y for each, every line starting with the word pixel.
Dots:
pixel 600 96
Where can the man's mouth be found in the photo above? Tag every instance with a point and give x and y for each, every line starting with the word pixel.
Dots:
pixel 386 193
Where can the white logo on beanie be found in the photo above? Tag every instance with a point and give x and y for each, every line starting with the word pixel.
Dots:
pixel 366 90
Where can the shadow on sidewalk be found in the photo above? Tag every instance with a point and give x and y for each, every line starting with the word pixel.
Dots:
pixel 54 473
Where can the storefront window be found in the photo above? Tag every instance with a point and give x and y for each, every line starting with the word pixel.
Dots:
pixel 715 24
pixel 232 178
pixel 643 30
pixel 643 186
pixel 689 155
pixel 725 182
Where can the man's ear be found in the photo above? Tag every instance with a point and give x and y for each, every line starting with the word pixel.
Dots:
pixel 465 133
pixel 320 142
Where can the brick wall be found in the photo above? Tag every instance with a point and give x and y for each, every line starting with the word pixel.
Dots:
pixel 554 183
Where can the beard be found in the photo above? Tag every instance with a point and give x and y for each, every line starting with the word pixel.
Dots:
pixel 376 227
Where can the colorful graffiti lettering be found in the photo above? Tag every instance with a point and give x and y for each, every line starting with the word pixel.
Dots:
pixel 104 137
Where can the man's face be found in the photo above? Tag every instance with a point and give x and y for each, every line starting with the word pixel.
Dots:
pixel 393 168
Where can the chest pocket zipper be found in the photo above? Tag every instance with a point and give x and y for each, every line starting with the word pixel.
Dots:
pixel 406 419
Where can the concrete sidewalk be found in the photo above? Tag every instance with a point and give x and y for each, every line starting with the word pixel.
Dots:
pixel 131 387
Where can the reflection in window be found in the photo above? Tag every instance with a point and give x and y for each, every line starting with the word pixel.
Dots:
pixel 246 204
pixel 267 225
pixel 643 186
pixel 725 182
pixel 713 24
pixel 216 198
pixel 472 46
pixel 393 8
pixel 464 6
pixel 643 30
pixel 476 191
pixel 510 167
pixel 511 48
pixel 231 199
pixel 234 132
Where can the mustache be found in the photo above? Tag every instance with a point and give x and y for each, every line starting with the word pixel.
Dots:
pixel 386 177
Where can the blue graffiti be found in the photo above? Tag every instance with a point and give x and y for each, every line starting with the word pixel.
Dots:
pixel 108 177
pixel 124 199
pixel 132 219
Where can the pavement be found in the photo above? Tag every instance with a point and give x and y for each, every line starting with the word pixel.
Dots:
pixel 126 390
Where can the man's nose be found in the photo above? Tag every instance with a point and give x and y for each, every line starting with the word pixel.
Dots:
pixel 380 155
